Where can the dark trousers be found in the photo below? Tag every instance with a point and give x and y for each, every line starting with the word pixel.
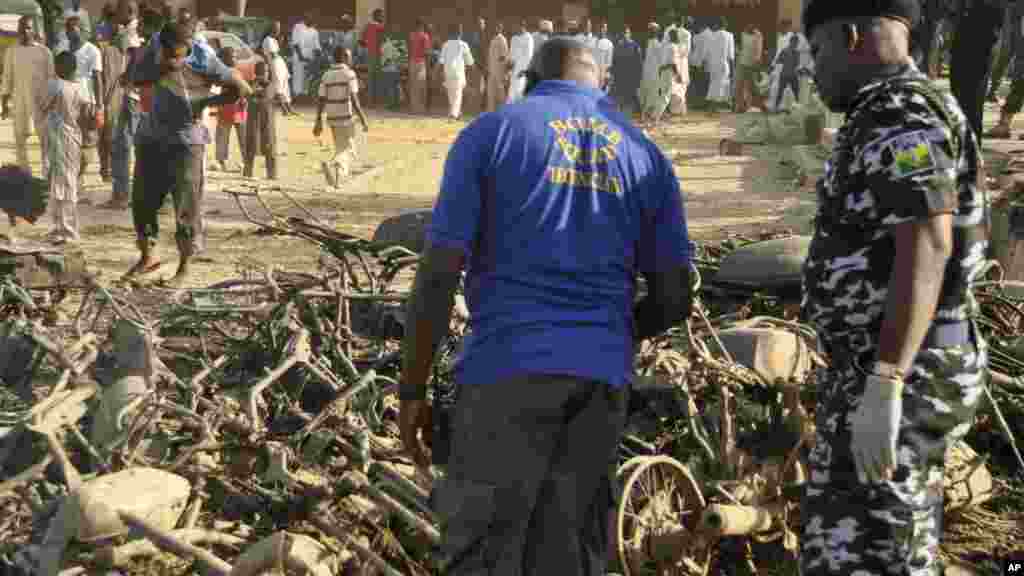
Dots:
pixel 105 147
pixel 175 169
pixel 261 136
pixel 127 123
pixel 1015 100
pixel 924 36
pixel 697 92
pixel 528 488
pixel 388 94
pixel 791 82
pixel 977 32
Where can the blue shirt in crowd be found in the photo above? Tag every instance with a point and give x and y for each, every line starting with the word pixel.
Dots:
pixel 558 202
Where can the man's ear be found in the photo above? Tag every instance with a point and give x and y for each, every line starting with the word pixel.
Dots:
pixel 853 37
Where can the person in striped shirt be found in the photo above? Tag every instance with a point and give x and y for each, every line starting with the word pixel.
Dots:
pixel 339 98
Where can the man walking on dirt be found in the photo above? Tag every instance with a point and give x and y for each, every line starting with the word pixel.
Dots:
pixel 900 235
pixel 28 69
pixel 498 69
pixel 419 57
pixel 339 101
pixel 543 379
pixel 125 109
pixel 476 75
pixel 171 143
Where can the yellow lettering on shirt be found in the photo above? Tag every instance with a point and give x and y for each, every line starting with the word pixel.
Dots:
pixel 587 159
pixel 599 181
pixel 559 127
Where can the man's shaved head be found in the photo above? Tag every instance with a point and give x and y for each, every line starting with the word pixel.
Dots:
pixel 562 58
pixel 850 53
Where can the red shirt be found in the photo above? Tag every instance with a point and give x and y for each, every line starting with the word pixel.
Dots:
pixel 371 37
pixel 233 113
pixel 419 46
pixel 146 98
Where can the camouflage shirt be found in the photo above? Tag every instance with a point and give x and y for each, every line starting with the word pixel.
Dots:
pixel 904 153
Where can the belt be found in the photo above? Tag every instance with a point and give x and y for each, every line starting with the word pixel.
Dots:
pixel 946 335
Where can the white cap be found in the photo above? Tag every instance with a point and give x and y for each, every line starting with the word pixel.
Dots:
pixel 270 45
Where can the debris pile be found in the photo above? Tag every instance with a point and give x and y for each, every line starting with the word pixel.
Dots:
pixel 251 426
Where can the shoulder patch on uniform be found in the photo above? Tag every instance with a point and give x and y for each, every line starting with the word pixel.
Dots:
pixel 912 153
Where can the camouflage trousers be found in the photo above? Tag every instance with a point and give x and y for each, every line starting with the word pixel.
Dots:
pixel 892 528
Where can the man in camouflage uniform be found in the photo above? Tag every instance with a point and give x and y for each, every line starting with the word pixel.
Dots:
pixel 900 233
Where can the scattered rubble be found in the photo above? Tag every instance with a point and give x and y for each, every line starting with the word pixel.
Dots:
pixel 251 426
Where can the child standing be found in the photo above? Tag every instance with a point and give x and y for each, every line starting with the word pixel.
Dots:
pixel 261 128
pixel 279 75
pixel 229 116
pixel 69 111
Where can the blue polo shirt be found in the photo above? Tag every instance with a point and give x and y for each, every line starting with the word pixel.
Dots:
pixel 558 202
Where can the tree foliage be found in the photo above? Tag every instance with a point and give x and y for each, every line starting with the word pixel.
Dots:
pixel 616 12
pixel 52 9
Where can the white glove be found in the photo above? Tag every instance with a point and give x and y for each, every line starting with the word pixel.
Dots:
pixel 875 427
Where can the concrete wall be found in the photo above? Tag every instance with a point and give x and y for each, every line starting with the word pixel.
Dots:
pixel 791 10
pixel 364 8
pixel 95 7
pixel 445 15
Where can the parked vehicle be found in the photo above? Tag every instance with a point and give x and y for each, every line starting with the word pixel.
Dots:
pixel 245 57
pixel 251 29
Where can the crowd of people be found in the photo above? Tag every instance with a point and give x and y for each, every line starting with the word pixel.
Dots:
pixel 687 63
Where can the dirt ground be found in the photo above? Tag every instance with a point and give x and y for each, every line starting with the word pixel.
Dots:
pixel 399 168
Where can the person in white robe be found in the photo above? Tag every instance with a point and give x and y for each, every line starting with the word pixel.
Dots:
pixel 455 57
pixel 310 50
pixel 520 54
pixel 604 52
pixel 28 69
pixel 298 66
pixel 305 43
pixel 652 63
pixel 699 65
pixel 674 76
pixel 718 58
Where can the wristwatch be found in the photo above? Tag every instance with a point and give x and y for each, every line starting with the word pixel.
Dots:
pixel 888 371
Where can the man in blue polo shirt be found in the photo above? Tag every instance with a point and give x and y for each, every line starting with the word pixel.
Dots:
pixel 552 205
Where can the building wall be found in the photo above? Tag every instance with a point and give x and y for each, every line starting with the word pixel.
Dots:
pixel 364 8
pixel 791 10
pixel 445 15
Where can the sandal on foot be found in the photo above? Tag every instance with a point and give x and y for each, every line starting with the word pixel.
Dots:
pixel 136 271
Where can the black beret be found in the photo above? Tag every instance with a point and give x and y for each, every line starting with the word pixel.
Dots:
pixel 819 12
